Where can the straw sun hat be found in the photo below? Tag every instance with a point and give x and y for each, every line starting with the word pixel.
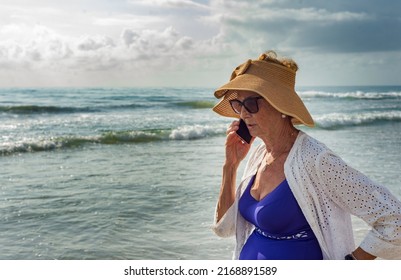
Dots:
pixel 274 82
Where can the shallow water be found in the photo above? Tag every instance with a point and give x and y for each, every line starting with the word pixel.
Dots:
pixel 135 173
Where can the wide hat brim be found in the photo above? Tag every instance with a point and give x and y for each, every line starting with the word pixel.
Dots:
pixel 274 82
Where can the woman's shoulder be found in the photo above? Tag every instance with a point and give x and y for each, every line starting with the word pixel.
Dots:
pixel 307 143
pixel 308 150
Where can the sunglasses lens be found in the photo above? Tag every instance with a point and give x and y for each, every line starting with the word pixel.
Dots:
pixel 251 105
pixel 236 105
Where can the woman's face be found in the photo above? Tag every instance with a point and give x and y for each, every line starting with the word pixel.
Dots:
pixel 263 123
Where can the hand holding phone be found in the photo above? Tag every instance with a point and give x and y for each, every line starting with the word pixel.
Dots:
pixel 243 132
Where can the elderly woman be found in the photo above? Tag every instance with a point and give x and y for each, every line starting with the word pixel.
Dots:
pixel 296 196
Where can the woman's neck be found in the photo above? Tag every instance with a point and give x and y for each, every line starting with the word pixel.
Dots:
pixel 281 141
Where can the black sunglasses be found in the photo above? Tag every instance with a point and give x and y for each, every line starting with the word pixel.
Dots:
pixel 250 104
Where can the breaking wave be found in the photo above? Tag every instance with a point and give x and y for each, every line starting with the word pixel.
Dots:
pixel 351 94
pixel 189 132
pixel 337 120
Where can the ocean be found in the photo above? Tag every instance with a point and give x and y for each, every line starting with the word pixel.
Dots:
pixel 134 173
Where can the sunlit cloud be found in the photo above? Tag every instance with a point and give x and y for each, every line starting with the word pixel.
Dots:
pixel 188 37
pixel 127 20
pixel 171 3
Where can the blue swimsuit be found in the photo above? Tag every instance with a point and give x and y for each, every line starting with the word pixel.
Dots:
pixel 281 230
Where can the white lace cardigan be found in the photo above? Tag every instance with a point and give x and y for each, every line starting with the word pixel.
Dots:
pixel 328 191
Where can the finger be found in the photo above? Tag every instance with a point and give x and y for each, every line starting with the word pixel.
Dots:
pixel 232 128
pixel 233 139
pixel 232 135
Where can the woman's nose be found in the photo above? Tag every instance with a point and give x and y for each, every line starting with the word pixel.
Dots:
pixel 244 113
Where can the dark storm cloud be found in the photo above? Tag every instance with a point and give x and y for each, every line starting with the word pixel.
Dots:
pixel 378 30
pixel 335 26
pixel 368 36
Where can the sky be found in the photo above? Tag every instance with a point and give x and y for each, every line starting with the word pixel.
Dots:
pixel 195 43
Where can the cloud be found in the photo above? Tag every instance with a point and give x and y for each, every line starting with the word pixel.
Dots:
pixel 187 4
pixel 193 38
pixel 48 49
pixel 129 36
pixel 95 43
pixel 41 45
pixel 338 27
pixel 128 41
pixel 138 21
pixel 272 15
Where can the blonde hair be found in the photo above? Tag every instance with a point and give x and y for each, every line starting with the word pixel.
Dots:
pixel 271 56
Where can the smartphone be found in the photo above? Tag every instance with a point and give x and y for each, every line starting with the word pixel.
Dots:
pixel 243 132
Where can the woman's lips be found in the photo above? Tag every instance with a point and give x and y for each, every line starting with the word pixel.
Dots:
pixel 250 126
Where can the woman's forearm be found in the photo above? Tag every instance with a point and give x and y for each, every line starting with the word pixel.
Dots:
pixel 361 254
pixel 227 190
